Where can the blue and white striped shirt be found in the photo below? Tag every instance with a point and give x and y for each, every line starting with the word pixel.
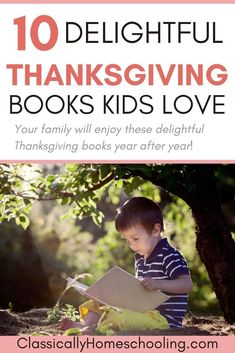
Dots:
pixel 165 262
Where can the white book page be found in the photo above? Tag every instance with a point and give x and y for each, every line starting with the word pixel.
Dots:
pixel 80 287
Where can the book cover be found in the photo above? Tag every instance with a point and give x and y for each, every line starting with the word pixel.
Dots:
pixel 118 288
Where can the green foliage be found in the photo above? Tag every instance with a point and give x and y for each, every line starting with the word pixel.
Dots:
pixel 73 332
pixel 70 312
pixel 81 186
pixel 58 312
pixel 78 186
pixel 54 314
pixel 21 185
pixel 16 195
pixel 111 250
pixel 22 220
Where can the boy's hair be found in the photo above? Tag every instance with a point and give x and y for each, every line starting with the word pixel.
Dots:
pixel 139 210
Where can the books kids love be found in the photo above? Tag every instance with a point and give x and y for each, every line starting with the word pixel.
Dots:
pixel 119 289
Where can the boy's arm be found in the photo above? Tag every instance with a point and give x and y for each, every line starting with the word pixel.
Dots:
pixel 180 285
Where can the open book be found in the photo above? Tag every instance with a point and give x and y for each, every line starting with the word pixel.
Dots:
pixel 118 288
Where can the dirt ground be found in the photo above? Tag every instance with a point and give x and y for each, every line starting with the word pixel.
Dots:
pixel 33 321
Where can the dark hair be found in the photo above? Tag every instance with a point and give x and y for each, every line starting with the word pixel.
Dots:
pixel 139 210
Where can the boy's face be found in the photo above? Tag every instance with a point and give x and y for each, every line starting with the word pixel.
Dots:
pixel 139 240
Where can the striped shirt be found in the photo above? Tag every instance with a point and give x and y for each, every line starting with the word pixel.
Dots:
pixel 165 262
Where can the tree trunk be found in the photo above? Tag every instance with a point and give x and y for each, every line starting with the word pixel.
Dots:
pixel 196 185
pixel 214 242
pixel 216 249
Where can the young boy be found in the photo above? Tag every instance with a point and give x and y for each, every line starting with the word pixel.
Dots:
pixel 158 265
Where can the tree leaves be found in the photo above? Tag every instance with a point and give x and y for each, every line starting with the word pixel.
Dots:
pixel 80 186
pixel 22 220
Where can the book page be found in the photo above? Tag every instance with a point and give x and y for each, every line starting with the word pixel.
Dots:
pixel 80 287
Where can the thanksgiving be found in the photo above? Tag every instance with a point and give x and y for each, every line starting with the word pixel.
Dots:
pixel 114 74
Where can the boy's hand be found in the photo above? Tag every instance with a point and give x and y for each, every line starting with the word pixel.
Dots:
pixel 149 284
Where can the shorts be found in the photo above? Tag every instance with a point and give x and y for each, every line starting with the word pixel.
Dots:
pixel 124 319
